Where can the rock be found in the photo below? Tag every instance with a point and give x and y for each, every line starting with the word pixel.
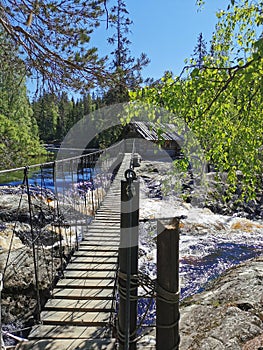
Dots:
pixel 14 207
pixel 254 344
pixel 11 232
pixel 228 315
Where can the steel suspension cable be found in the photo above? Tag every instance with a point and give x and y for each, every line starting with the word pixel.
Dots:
pixel 33 244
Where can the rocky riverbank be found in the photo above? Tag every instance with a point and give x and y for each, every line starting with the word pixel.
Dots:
pixel 162 180
pixel 228 314
pixel 216 313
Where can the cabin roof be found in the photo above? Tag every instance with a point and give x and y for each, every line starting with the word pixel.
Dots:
pixel 149 131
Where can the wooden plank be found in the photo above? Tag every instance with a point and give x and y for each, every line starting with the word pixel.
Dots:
pixel 115 213
pixel 85 283
pixel 69 332
pixel 92 267
pixel 90 274
pixel 91 250
pixel 96 249
pixel 105 240
pixel 113 218
pixel 110 223
pixel 113 245
pixel 104 217
pixel 111 203
pixel 102 235
pixel 101 232
pixel 91 318
pixel 109 208
pixel 99 254
pixel 79 305
pixel 96 258
pixel 68 344
pixel 104 229
pixel 92 293
pixel 105 245
pixel 97 233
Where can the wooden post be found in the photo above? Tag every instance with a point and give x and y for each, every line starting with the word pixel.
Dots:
pixel 167 294
pixel 128 265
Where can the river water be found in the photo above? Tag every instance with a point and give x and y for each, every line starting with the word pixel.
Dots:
pixel 209 243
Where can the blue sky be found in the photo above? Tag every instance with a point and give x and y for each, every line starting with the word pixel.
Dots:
pixel 166 31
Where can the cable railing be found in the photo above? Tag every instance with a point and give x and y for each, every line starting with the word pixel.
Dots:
pixel 45 215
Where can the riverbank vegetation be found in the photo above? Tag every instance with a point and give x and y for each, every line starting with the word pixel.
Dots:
pixel 218 94
pixel 18 128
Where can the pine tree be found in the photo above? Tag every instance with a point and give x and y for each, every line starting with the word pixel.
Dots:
pixel 88 104
pixel 54 39
pixel 46 113
pixel 126 70
pixel 200 51
pixel 18 129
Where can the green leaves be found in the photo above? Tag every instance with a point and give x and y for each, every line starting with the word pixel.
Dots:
pixel 259 47
pixel 222 101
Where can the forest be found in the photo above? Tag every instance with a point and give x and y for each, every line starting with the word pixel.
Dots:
pixel 218 93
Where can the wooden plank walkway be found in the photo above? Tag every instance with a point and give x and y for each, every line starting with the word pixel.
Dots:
pixel 79 315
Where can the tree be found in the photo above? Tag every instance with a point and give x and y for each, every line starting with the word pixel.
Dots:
pixel 46 113
pixel 126 70
pixel 200 51
pixel 53 39
pixel 18 129
pixel 222 103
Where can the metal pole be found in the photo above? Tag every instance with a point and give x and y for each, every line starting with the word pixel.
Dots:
pixel 167 294
pixel 128 265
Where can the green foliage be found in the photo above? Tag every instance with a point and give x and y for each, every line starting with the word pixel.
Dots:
pixel 222 101
pixel 54 40
pixel 56 114
pixel 18 129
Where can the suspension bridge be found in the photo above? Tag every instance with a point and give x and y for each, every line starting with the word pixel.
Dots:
pixel 85 263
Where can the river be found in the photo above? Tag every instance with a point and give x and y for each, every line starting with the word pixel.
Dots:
pixel 209 243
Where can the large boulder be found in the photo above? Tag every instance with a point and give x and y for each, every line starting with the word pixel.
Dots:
pixel 228 314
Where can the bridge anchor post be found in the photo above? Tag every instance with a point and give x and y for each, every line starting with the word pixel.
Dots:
pixel 128 263
pixel 167 287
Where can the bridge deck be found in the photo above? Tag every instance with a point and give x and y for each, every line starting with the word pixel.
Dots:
pixel 79 314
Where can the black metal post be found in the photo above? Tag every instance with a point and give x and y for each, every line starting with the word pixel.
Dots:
pixel 167 294
pixel 128 265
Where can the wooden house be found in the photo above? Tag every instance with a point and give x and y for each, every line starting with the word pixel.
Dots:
pixel 163 135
